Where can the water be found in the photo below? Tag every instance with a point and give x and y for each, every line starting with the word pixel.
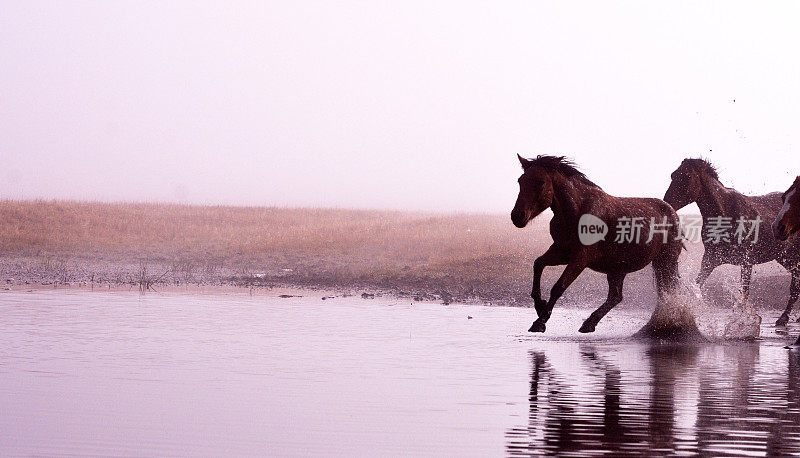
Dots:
pixel 179 374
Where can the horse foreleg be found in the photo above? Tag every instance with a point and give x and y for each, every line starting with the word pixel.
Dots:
pixel 615 281
pixel 574 268
pixel 794 293
pixel 554 256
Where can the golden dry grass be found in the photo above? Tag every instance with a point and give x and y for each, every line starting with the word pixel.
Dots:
pixel 458 254
pixel 466 256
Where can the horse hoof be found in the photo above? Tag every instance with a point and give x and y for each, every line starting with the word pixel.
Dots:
pixel 587 327
pixel 537 326
pixel 782 321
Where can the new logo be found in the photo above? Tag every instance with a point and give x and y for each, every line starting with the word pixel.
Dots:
pixel 591 229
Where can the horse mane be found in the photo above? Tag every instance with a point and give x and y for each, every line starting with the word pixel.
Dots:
pixel 561 165
pixel 703 165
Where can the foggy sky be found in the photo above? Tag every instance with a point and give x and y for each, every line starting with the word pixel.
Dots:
pixel 412 105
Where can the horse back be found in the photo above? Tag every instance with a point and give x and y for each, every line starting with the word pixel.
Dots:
pixel 756 248
pixel 621 249
pixel 767 206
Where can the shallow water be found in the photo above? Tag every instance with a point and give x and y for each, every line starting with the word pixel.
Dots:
pixel 176 374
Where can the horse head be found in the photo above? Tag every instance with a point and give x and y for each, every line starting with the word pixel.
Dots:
pixel 687 182
pixel 535 192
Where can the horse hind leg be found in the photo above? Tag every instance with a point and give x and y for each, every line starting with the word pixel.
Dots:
pixel 665 268
pixel 615 282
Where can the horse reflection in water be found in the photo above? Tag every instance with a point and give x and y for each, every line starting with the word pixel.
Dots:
pixel 681 399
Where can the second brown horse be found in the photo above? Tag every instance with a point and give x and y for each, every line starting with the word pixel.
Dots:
pixel 696 180
pixel 618 239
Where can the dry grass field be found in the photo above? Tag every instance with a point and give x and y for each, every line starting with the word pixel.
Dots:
pixel 465 257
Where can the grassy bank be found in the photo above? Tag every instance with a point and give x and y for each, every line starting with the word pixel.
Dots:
pixel 464 255
pixel 459 256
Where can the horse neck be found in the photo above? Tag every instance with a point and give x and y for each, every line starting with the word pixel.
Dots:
pixel 711 201
pixel 568 196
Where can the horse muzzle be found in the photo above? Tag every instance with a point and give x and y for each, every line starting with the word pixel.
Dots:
pixel 520 218
pixel 780 230
pixel 675 201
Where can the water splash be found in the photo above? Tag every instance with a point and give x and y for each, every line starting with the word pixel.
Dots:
pixel 674 318
pixel 727 318
pixel 685 315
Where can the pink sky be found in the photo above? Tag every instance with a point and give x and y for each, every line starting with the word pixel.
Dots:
pixel 414 105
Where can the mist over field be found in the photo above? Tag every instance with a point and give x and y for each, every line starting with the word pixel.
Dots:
pixel 415 106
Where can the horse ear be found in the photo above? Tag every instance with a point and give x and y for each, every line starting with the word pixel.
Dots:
pixel 525 163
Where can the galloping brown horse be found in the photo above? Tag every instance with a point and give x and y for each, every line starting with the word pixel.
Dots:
pixel 594 230
pixel 696 180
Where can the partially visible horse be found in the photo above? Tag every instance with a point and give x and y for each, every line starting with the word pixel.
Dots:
pixel 787 223
pixel 555 183
pixel 696 180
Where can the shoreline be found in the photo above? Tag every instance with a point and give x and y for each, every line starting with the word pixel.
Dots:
pixel 42 273
pixel 21 272
pixel 122 277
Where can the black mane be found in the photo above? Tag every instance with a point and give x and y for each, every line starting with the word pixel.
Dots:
pixel 703 164
pixel 561 165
